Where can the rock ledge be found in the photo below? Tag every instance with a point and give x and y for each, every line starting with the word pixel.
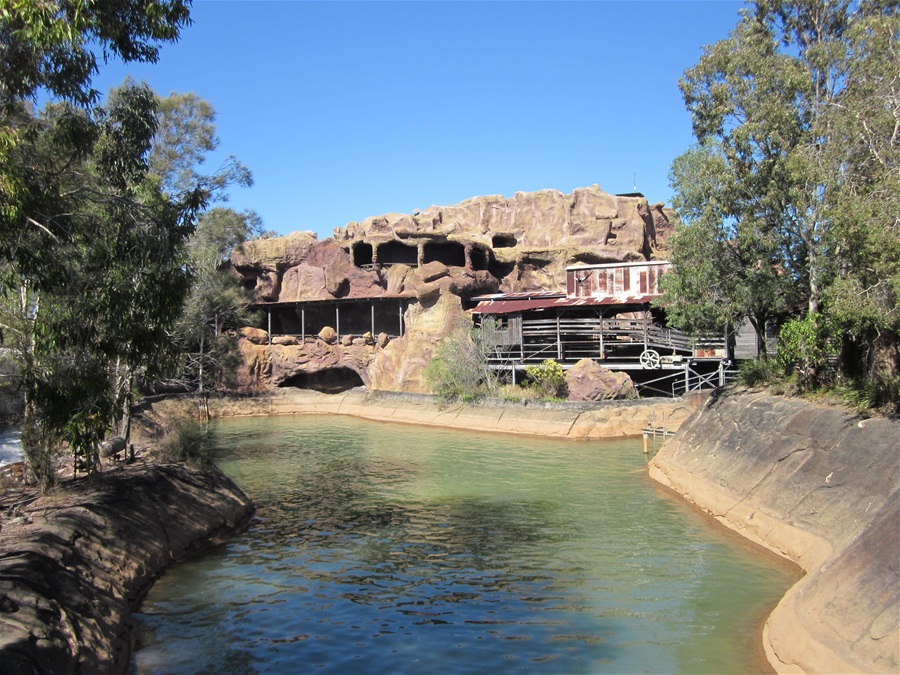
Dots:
pixel 819 486
pixel 78 561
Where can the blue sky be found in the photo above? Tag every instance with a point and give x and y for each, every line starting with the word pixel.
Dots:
pixel 344 110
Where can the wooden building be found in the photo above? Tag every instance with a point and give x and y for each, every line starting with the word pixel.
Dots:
pixel 606 314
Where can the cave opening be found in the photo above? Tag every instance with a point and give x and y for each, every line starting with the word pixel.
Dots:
pixel 329 381
pixel 362 254
pixel 397 253
pixel 481 258
pixel 503 241
pixel 451 253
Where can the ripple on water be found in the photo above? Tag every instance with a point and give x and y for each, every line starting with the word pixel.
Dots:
pixel 390 549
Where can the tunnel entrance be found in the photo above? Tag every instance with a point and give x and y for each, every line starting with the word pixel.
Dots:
pixel 329 381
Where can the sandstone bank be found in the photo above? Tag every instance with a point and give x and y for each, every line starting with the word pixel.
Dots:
pixel 818 486
pixel 578 421
pixel 74 564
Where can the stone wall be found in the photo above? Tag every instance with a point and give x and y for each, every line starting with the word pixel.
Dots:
pixel 819 486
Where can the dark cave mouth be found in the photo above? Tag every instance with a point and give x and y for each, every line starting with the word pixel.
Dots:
pixel 330 381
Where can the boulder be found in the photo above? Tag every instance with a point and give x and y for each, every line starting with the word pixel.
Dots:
pixel 255 335
pixel 328 335
pixel 587 380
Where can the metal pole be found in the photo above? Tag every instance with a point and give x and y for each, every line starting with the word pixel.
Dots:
pixel 558 339
pixel 602 352
pixel 646 346
pixel 303 324
pixel 372 306
pixel 337 320
pixel 269 312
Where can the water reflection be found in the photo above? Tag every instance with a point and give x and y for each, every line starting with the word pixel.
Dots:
pixel 390 549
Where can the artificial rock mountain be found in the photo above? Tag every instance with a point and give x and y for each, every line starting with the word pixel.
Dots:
pixel 436 258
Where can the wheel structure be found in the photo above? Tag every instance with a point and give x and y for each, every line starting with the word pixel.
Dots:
pixel 650 359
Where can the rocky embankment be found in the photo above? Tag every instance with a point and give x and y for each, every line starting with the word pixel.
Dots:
pixel 576 421
pixel 74 564
pixel 818 486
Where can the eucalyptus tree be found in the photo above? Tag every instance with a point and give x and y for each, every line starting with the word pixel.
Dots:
pixel 81 222
pixel 118 280
pixel 216 302
pixel 800 103
pixel 185 137
pixel 54 48
pixel 727 269
pixel 864 240
pixel 763 94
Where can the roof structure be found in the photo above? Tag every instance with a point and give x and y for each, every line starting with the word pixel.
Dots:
pixel 508 303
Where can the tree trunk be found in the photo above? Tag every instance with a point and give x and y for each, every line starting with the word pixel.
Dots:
pixel 885 364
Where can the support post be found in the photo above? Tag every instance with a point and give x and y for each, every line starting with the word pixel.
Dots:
pixel 302 325
pixel 646 344
pixel 558 339
pixel 372 307
pixel 602 350
pixel 269 312
pixel 337 321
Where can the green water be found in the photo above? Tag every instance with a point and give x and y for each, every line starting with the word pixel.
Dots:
pixel 385 548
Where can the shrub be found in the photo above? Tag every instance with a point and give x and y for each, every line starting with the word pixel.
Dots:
pixel 805 347
pixel 756 371
pixel 187 442
pixel 868 395
pixel 548 379
pixel 459 369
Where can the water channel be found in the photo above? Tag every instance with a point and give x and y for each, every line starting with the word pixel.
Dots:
pixel 383 548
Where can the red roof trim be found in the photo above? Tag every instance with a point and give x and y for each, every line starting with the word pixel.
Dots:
pixel 503 304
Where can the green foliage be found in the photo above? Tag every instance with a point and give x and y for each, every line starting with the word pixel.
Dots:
pixel 186 135
pixel 548 378
pixel 216 302
pixel 755 372
pixel 725 268
pixel 51 45
pixel 792 195
pixel 866 395
pixel 102 296
pixel 41 452
pixel 187 442
pixel 805 347
pixel 459 369
pixel 88 243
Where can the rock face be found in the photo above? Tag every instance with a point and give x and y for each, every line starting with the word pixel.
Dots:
pixel 587 380
pixel 521 243
pixel 317 363
pixel 820 487
pixel 74 572
pixel 439 257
